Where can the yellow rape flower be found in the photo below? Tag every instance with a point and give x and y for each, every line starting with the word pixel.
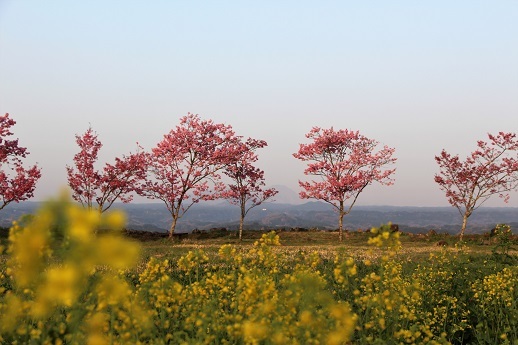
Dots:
pixel 254 332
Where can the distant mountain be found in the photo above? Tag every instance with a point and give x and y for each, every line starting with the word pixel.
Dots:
pixel 286 195
pixel 14 211
pixel 314 214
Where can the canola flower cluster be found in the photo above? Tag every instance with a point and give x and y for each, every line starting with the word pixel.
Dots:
pixel 70 278
pixel 245 300
pixel 503 235
pixel 496 297
pixel 64 283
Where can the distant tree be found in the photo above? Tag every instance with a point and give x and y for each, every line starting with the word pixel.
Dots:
pixel 345 162
pixel 16 182
pixel 92 187
pixel 184 166
pixel 489 170
pixel 247 186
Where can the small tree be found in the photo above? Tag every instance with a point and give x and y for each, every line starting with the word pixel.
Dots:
pixel 489 170
pixel 16 182
pixel 115 182
pixel 185 161
pixel 247 187
pixel 346 162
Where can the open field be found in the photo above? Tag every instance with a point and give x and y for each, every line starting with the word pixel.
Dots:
pixel 416 247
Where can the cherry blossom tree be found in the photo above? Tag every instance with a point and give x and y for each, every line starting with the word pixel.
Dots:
pixel 100 189
pixel 345 163
pixel 184 166
pixel 17 183
pixel 492 169
pixel 247 186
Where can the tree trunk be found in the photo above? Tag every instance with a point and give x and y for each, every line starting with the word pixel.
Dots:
pixel 463 228
pixel 340 228
pixel 173 226
pixel 341 221
pixel 241 221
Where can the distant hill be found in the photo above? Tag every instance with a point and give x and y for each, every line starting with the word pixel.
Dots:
pixel 155 217
pixel 287 195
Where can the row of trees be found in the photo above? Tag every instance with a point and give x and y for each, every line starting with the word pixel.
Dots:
pixel 185 167
pixel 189 163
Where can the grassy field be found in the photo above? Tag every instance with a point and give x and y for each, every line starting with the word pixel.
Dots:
pixel 415 247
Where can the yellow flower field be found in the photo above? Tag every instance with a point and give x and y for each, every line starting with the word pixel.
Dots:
pixel 70 277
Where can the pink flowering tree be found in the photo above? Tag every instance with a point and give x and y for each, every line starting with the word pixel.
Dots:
pixel 345 163
pixel 247 187
pixel 17 183
pixel 492 169
pixel 184 166
pixel 99 189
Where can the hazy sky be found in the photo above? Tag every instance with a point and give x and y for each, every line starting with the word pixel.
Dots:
pixel 418 76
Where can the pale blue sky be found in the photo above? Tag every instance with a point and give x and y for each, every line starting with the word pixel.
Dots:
pixel 418 76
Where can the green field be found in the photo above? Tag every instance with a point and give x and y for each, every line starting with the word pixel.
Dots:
pixel 415 247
